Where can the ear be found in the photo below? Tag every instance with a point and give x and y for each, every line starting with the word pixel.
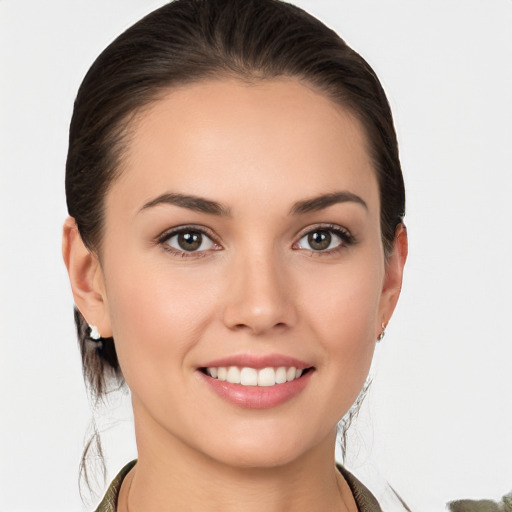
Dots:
pixel 86 278
pixel 393 277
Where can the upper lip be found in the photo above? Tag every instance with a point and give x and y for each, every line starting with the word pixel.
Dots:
pixel 257 361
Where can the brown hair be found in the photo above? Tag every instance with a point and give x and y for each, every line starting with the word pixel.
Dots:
pixel 191 40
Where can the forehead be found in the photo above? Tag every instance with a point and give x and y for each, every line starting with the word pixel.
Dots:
pixel 233 140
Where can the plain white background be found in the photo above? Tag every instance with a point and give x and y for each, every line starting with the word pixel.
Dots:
pixel 438 421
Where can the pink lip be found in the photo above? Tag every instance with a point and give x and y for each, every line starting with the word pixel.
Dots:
pixel 258 361
pixel 256 397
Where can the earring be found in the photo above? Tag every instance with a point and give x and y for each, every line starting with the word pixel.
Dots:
pixel 382 333
pixel 94 333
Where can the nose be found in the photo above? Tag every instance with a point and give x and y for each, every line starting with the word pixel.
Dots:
pixel 259 296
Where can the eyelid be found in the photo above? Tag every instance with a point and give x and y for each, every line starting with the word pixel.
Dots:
pixel 342 232
pixel 345 235
pixel 169 233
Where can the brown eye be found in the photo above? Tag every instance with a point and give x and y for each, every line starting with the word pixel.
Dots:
pixel 190 241
pixel 319 240
pixel 325 239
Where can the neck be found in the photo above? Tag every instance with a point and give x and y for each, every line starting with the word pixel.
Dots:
pixel 171 475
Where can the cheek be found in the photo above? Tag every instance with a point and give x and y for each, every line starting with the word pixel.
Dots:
pixel 342 308
pixel 157 316
pixel 346 298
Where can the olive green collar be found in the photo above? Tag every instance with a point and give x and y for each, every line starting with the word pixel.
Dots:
pixel 109 501
pixel 364 499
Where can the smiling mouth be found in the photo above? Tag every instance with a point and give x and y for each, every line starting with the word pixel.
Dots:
pixel 263 377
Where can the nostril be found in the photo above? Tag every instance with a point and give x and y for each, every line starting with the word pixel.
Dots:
pixel 257 302
pixel 258 327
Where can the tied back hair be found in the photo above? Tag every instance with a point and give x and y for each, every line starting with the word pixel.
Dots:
pixel 186 41
pixel 102 375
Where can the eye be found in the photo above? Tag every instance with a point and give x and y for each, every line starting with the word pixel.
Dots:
pixel 324 239
pixel 188 240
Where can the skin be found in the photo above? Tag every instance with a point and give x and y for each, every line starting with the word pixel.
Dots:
pixel 257 149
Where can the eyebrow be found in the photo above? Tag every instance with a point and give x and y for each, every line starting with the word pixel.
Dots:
pixel 325 200
pixel 200 204
pixel 195 203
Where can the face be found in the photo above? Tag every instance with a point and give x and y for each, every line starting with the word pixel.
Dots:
pixel 242 242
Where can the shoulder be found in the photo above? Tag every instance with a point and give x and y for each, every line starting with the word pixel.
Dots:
pixel 109 501
pixel 505 505
pixel 365 500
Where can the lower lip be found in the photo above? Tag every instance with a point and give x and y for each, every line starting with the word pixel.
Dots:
pixel 257 397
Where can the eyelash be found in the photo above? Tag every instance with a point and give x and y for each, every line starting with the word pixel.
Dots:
pixel 164 238
pixel 347 239
pixel 345 236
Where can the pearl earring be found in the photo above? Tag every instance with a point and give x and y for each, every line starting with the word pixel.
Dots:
pixel 94 334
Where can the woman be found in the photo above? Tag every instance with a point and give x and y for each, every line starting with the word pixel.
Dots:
pixel 235 248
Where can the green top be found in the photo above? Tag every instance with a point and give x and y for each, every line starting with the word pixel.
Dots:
pixel 505 505
pixel 109 501
pixel 364 499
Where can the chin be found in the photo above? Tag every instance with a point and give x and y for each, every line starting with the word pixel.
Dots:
pixel 262 452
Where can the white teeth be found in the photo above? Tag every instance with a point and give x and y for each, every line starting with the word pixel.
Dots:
pixel 233 375
pixel 249 377
pixel 253 377
pixel 290 373
pixel 266 377
pixel 281 375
